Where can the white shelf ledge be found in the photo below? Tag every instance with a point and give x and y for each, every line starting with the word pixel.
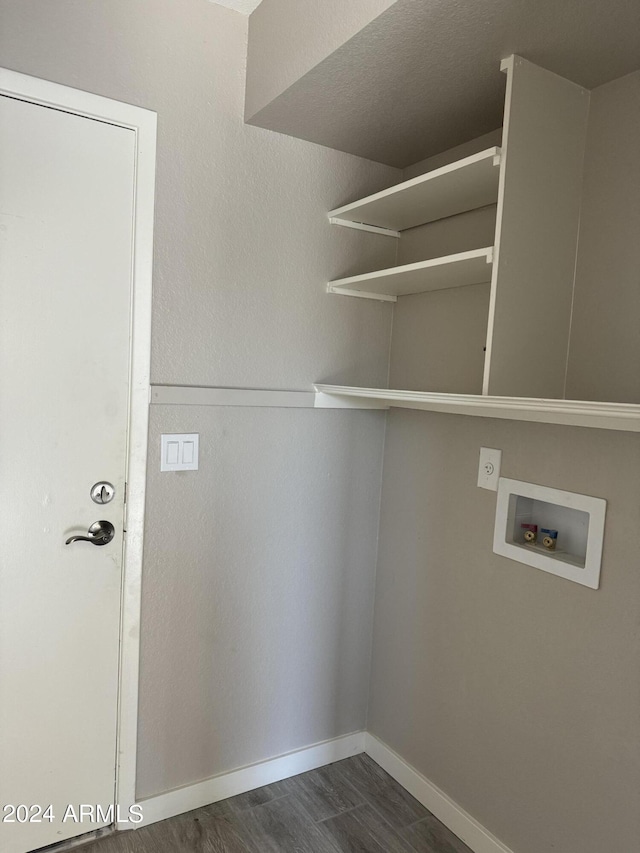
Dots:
pixel 459 270
pixel 618 416
pixel 456 188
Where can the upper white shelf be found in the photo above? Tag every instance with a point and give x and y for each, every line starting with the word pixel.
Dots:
pixel 464 185
pixel 618 416
pixel 457 270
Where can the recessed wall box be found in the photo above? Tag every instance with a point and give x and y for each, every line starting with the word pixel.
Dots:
pixel 577 521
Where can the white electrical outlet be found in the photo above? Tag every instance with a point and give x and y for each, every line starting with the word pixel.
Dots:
pixel 489 468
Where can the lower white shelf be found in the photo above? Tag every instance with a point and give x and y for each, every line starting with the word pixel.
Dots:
pixel 618 416
pixel 459 270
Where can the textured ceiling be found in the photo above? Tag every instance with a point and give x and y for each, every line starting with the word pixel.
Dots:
pixel 424 76
pixel 244 6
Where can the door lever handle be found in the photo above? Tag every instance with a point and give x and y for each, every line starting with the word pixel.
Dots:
pixel 100 533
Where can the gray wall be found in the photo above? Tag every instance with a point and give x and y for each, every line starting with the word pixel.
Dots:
pixel 605 335
pixel 258 595
pixel 234 595
pixel 516 692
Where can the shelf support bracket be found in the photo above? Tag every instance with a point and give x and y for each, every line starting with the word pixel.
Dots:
pixel 334 401
pixel 362 294
pixel 362 226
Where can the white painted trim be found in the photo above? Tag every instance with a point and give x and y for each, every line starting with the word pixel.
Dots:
pixel 248 778
pixel 618 416
pixel 143 123
pixel 137 459
pixel 460 822
pixel 185 395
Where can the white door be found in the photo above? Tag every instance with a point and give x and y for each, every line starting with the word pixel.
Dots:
pixel 66 207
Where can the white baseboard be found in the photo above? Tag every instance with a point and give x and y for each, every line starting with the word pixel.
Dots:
pixel 443 807
pixel 247 778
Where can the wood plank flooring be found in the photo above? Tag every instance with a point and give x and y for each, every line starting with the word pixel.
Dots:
pixel 351 806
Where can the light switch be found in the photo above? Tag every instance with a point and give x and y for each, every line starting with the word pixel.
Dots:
pixel 179 452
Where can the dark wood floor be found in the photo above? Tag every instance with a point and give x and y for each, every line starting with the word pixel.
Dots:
pixel 351 806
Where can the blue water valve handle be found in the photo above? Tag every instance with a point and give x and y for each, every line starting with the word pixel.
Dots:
pixel 549 538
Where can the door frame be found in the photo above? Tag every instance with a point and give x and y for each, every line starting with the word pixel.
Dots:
pixel 143 123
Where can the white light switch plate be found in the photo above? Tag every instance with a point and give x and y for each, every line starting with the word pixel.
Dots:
pixel 179 452
pixel 489 468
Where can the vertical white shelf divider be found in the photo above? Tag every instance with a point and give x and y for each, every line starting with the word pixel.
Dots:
pixel 539 198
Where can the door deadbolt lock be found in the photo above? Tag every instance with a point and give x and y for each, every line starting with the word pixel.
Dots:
pixel 102 493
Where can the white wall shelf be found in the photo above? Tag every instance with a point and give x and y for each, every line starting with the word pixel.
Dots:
pixel 459 270
pixel 486 338
pixel 456 188
pixel 617 416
